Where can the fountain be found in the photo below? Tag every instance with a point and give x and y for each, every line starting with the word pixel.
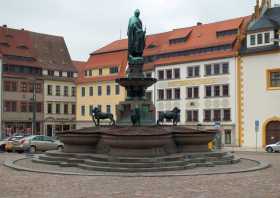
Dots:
pixel 136 143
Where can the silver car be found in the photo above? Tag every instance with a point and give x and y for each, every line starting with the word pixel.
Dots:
pixel 37 143
pixel 273 147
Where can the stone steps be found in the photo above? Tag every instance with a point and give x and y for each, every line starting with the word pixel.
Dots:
pixel 127 164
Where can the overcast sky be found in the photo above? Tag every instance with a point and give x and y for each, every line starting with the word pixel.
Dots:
pixel 90 24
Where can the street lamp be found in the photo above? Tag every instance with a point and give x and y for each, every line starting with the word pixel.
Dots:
pixel 33 99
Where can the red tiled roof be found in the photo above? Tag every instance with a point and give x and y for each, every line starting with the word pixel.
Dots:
pixel 180 33
pixel 104 60
pixel 200 36
pixel 194 58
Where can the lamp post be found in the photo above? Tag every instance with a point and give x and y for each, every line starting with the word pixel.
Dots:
pixel 33 105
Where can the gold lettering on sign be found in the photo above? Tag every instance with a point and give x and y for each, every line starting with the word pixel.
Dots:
pixel 204 81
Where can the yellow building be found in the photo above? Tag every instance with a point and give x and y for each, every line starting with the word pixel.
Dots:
pixel 96 86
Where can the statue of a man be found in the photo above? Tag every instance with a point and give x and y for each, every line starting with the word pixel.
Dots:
pixel 136 36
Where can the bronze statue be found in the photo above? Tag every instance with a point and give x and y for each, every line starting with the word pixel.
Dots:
pixel 97 115
pixel 136 36
pixel 173 115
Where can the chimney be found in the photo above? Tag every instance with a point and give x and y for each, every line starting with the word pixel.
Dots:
pixel 199 23
pixel 257 10
pixel 4 25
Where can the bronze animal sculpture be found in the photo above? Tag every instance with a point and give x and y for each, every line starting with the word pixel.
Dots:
pixel 173 115
pixel 136 117
pixel 97 115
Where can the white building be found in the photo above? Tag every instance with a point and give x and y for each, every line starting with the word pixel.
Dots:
pixel 260 79
pixel 204 91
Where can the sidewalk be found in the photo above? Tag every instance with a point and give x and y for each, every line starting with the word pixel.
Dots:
pixel 242 149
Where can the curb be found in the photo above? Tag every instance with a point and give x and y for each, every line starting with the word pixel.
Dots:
pixel 261 166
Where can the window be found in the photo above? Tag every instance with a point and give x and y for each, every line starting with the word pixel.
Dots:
pixel 149 95
pixel 50 108
pixel 108 90
pixel 99 90
pixel 85 72
pixel 208 70
pixel 65 90
pixel 57 108
pixel 207 116
pixel 83 91
pixel 161 75
pixel 192 116
pixel 208 91
pixel 225 90
pixel 90 109
pixel 60 73
pixel 100 72
pixel 114 70
pixel 99 107
pixel 177 73
pixel 7 85
pixel 73 91
pixel 14 86
pixel 23 106
pixel 216 69
pixel 260 38
pixel 90 72
pixel 217 91
pixel 193 71
pixel 117 89
pixel 83 110
pixel 168 94
pixel 267 37
pixel 227 136
pixel 252 39
pixel 177 92
pixel 168 74
pixel 192 92
pixel 57 90
pixel 66 109
pixel 49 90
pixel 90 91
pixel 217 115
pixel 108 108
pixel 225 68
pixel 73 109
pixel 273 79
pixel 10 106
pixel 227 116
pixel 23 86
pixel 160 94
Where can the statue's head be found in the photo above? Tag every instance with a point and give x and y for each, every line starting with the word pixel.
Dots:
pixel 137 13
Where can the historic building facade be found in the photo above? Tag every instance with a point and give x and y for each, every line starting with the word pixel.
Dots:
pixel 59 74
pixel 96 86
pixel 1 98
pixel 38 83
pixel 22 84
pixel 260 79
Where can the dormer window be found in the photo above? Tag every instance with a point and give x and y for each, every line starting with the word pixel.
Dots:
pixel 151 46
pixel 226 32
pixel 177 40
pixel 260 39
pixel 114 70
pixel 22 46
pixel 253 40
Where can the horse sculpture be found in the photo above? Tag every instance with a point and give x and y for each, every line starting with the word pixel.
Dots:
pixel 97 115
pixel 173 115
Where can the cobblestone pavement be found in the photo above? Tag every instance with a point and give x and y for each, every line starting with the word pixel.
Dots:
pixel 260 184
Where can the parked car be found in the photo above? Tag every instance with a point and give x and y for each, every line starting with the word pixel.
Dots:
pixel 273 147
pixel 35 143
pixel 7 143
